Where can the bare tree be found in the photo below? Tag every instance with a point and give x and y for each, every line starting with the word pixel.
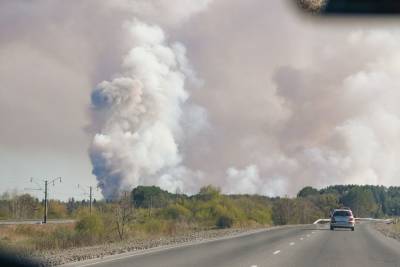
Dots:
pixel 123 215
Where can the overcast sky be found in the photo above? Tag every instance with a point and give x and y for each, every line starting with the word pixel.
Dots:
pixel 270 100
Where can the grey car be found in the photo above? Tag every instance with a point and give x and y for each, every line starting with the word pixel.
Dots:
pixel 342 218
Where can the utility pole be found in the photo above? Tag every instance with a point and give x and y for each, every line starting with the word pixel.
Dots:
pixel 90 194
pixel 46 191
pixel 151 205
pixel 287 209
pixel 90 200
pixel 45 202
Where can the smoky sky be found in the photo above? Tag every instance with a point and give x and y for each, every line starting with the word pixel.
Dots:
pixel 275 100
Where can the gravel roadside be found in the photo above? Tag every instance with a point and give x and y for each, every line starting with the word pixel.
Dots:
pixel 59 257
pixel 389 230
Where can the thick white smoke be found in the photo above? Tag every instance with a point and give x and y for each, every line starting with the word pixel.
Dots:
pixel 164 12
pixel 248 181
pixel 344 125
pixel 140 111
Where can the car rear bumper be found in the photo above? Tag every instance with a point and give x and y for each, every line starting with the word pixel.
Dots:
pixel 342 225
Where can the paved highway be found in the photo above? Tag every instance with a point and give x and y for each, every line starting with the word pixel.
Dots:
pixel 301 246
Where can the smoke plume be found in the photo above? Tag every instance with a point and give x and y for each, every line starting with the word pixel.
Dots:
pixel 138 113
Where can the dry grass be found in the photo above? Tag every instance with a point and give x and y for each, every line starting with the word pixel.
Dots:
pixel 32 237
pixel 396 228
pixel 37 238
pixel 391 230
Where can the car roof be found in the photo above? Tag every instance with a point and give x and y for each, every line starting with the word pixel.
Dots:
pixel 342 210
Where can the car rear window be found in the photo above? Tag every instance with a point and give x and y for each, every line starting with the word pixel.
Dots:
pixel 342 213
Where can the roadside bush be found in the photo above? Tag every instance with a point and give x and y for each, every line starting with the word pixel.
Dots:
pixel 176 212
pixel 154 226
pixel 90 227
pixel 261 216
pixel 224 221
pixel 62 237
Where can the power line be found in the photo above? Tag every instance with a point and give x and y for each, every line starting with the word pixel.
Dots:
pixel 90 196
pixel 45 190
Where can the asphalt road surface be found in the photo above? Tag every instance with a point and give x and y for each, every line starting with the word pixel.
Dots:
pixel 301 246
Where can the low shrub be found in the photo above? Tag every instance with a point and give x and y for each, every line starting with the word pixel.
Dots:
pixel 154 226
pixel 64 237
pixel 90 228
pixel 176 212
pixel 224 221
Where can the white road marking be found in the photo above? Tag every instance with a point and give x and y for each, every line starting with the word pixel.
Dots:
pixel 254 266
pixel 301 238
pixel 308 235
pixel 292 243
pixel 313 232
pixel 277 252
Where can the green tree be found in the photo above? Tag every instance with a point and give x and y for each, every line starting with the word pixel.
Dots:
pixel 361 201
pixel 208 193
pixel 151 197
pixel 307 191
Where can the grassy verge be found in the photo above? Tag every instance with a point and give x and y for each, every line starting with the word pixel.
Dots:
pixel 89 231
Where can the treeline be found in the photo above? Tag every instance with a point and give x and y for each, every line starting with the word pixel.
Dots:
pixel 14 206
pixel 367 200
pixel 209 206
pixel 309 204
